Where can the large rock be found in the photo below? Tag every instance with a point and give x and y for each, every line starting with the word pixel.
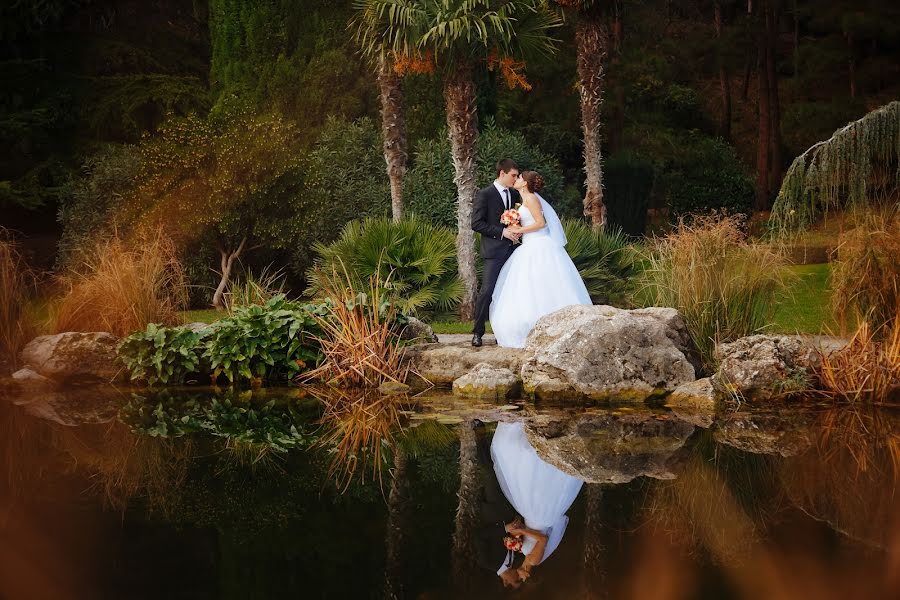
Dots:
pixel 442 364
pixel 488 383
pixel 695 402
pixel 416 330
pixel 73 355
pixel 606 353
pixel 612 448
pixel 764 366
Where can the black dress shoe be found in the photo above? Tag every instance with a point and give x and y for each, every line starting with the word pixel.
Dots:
pixel 476 340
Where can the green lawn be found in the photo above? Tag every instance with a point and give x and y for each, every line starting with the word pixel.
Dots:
pixel 805 308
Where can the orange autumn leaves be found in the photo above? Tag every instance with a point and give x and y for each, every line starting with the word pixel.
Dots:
pixel 512 70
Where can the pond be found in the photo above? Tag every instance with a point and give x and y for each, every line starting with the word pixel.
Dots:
pixel 208 493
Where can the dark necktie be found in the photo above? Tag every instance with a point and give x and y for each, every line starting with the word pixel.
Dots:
pixel 506 198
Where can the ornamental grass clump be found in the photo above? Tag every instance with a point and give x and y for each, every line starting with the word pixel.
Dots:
pixel 360 340
pixel 865 274
pixel 606 261
pixel 867 369
pixel 723 285
pixel 122 286
pixel 16 281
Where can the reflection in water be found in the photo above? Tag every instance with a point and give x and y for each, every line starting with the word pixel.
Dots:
pixel 758 505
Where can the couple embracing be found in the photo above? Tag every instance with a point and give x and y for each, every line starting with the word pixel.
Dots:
pixel 527 272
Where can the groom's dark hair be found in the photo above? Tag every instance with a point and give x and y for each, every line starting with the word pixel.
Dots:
pixel 506 165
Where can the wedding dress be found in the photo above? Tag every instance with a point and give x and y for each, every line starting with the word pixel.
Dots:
pixel 538 491
pixel 538 279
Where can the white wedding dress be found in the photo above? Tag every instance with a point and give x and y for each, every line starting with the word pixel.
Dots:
pixel 538 491
pixel 538 279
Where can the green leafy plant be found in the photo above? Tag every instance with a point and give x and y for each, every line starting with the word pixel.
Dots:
pixel 414 262
pixel 161 354
pixel 277 339
pixel 605 259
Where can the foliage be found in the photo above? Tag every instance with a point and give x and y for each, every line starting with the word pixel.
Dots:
pixel 107 177
pixel 431 193
pixel 161 354
pixel 414 260
pixel 270 426
pixel 276 340
pixel 723 285
pixel 15 281
pixel 628 181
pixel 704 174
pixel 360 334
pixel 253 289
pixel 865 277
pixel 122 285
pixel 867 369
pixel 838 172
pixel 605 260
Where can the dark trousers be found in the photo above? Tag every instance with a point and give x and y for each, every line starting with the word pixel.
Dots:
pixel 489 276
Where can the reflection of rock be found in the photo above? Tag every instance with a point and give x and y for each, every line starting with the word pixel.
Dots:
pixel 30 379
pixel 77 406
pixel 442 364
pixel 786 434
pixel 694 402
pixel 610 448
pixel 416 330
pixel 73 355
pixel 601 352
pixel 763 366
pixel 490 383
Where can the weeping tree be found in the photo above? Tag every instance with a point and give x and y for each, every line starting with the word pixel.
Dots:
pixel 843 171
pixel 591 43
pixel 453 38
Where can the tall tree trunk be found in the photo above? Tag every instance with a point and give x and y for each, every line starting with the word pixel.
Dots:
pixel 463 557
pixel 398 501
pixel 614 141
pixel 748 69
pixel 393 129
pixel 227 263
pixel 462 125
pixel 851 63
pixel 774 103
pixel 724 80
pixel 764 125
pixel 594 585
pixel 591 43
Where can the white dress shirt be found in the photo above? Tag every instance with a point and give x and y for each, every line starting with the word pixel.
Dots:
pixel 505 194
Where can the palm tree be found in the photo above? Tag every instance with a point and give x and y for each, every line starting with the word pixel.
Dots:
pixel 591 43
pixel 457 37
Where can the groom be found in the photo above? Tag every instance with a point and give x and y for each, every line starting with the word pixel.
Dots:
pixel 496 241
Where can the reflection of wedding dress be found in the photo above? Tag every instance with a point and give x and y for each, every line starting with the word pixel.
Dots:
pixel 538 491
pixel 538 279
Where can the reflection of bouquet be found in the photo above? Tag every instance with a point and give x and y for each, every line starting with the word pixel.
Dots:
pixel 513 542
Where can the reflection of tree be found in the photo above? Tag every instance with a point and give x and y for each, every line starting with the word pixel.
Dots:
pixel 467 510
pixel 593 580
pixel 397 505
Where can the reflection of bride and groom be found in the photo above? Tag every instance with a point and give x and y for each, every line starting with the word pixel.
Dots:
pixel 522 504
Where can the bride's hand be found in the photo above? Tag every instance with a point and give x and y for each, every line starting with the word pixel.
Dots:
pixel 514 229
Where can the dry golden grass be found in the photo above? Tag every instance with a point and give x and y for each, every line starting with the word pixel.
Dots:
pixel 359 343
pixel 122 285
pixel 16 283
pixel 865 276
pixel 361 424
pixel 865 370
pixel 723 285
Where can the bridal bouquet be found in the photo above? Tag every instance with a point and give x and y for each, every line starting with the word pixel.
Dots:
pixel 510 217
pixel 513 542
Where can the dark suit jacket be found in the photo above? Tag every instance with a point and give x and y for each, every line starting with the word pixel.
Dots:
pixel 486 220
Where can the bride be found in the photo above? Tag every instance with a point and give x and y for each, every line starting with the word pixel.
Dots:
pixel 539 492
pixel 539 278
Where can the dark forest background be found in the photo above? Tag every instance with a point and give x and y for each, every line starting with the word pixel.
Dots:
pixel 85 82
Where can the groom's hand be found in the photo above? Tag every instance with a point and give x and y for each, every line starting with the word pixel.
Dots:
pixel 513 237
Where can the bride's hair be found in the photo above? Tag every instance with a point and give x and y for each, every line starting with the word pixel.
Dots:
pixel 534 180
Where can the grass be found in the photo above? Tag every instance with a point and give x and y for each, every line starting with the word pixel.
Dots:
pixel 16 284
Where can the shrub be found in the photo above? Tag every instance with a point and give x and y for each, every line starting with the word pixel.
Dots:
pixel 253 289
pixel 865 275
pixel 279 339
pixel 724 286
pixel 429 189
pixel 15 280
pixel 605 261
pixel 413 259
pixel 122 286
pixel 161 354
pixel 628 182
pixel 867 369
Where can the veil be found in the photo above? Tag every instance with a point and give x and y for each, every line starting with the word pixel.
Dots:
pixel 554 227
